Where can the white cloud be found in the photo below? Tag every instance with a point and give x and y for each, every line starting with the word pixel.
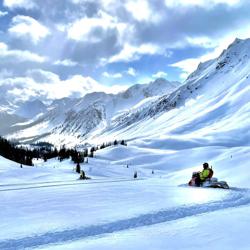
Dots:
pixel 187 66
pixel 90 29
pixel 114 31
pixel 131 71
pixel 141 10
pixel 28 27
pixel 3 13
pixel 17 56
pixel 132 53
pixel 22 94
pixel 48 86
pixel 108 75
pixel 66 63
pixel 25 4
pixel 107 32
pixel 202 3
pixel 202 41
pixel 160 74
pixel 61 27
pixel 42 76
pixel 184 75
pixel 76 85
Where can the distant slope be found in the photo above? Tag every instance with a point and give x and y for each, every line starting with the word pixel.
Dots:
pixel 69 119
pixel 7 121
pixel 30 109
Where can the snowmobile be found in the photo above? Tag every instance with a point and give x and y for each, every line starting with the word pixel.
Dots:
pixel 209 182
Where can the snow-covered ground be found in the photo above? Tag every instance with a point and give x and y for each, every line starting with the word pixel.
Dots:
pixel 226 229
pixel 47 207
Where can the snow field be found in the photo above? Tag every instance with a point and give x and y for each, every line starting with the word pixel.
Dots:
pixel 115 211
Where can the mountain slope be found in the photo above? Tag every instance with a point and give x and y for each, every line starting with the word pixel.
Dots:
pixel 77 118
pixel 7 121
pixel 30 109
pixel 211 106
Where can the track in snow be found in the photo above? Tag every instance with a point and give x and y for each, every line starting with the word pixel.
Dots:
pixel 237 197
pixel 14 187
pixel 34 183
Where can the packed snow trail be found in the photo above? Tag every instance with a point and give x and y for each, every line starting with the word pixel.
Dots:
pixel 72 183
pixel 33 183
pixel 237 197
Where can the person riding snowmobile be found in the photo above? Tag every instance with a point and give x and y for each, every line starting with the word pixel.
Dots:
pixel 203 175
pixel 204 179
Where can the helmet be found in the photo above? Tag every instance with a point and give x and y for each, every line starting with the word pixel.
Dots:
pixel 205 165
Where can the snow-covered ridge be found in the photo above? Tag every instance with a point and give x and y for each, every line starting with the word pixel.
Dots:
pixel 213 104
pixel 92 113
pixel 235 57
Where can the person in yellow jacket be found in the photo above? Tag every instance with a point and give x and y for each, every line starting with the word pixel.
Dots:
pixel 204 174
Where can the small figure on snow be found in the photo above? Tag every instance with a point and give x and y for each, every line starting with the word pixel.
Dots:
pixel 83 176
pixel 135 175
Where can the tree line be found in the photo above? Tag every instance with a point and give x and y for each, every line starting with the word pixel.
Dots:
pixel 12 152
pixel 45 151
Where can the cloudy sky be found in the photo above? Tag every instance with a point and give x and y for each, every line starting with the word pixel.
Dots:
pixel 58 48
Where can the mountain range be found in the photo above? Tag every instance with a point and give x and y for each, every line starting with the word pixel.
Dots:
pixel 210 107
pixel 72 118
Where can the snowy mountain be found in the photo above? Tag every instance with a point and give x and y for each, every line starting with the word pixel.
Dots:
pixel 7 121
pixel 30 109
pixel 212 106
pixel 77 118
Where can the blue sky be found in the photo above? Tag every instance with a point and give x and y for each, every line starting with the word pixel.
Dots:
pixel 66 48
